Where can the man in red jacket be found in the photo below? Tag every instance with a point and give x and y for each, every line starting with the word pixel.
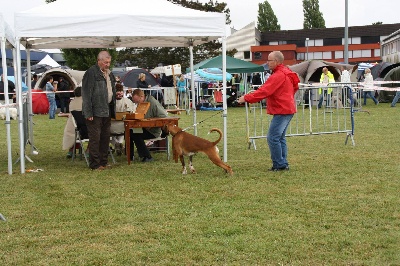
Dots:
pixel 279 92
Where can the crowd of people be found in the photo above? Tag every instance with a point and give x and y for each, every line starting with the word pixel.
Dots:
pixel 101 95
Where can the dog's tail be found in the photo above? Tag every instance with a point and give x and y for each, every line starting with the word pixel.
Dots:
pixel 220 135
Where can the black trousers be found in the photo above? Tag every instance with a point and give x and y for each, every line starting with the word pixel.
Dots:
pixel 64 104
pixel 99 141
pixel 138 139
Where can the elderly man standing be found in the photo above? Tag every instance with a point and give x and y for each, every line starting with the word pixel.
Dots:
pixel 279 92
pixel 98 107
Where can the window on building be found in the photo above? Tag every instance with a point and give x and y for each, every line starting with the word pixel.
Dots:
pixel 273 43
pixel 311 42
pixel 339 54
pixel 246 54
pixel 353 40
pixel 357 53
pixel 365 53
pixel 377 52
pixel 350 54
pixel 257 55
pixel 356 40
pixel 300 56
pixel 282 42
pixel 319 42
pixel 327 55
pixel 317 55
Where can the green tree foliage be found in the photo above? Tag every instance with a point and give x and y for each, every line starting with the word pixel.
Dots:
pixel 82 59
pixel 267 20
pixel 313 18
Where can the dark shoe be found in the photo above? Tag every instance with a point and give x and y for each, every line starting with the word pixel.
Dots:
pixel 273 169
pixel 147 159
pixel 69 154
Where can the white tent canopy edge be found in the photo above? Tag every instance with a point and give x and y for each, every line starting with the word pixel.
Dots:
pixel 97 24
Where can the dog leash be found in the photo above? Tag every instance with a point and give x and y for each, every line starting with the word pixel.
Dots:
pixel 201 121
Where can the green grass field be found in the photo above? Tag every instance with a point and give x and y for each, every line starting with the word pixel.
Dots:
pixel 338 205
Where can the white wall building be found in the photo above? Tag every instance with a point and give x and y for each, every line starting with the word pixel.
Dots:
pixel 242 40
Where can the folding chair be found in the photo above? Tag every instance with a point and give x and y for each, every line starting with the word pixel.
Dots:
pixel 81 134
pixel 159 144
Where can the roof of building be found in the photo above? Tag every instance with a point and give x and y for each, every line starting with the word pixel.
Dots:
pixel 326 33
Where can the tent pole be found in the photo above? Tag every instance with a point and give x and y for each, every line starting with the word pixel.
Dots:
pixel 29 99
pixel 7 102
pixel 224 104
pixel 17 69
pixel 192 87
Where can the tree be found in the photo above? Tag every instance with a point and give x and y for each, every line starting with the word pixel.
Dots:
pixel 267 20
pixel 313 18
pixel 82 59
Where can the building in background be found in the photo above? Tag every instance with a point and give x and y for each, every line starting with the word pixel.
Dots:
pixel 242 40
pixel 324 44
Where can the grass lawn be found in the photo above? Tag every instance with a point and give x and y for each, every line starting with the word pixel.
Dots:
pixel 338 205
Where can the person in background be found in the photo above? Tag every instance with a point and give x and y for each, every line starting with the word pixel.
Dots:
pixel 344 77
pixel 181 84
pixel 368 87
pixel 123 104
pixel 11 89
pixel 63 85
pixel 34 81
pixel 51 88
pixel 139 135
pixel 279 91
pixel 326 78
pixel 98 107
pixel 141 83
pixel 395 99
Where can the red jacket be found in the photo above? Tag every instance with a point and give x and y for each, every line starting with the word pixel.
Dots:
pixel 279 91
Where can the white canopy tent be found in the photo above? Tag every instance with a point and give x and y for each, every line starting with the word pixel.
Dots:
pixel 123 23
pixel 8 41
pixel 47 60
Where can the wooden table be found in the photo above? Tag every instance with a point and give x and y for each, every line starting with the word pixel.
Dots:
pixel 138 123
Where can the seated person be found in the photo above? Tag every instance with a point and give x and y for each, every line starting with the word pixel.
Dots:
pixel 69 130
pixel 231 95
pixel 139 135
pixel 117 127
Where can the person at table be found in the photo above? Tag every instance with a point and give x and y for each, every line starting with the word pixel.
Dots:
pixel 123 104
pixel 141 83
pixel 139 135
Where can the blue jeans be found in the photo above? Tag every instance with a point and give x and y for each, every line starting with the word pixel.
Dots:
pixel 369 93
pixel 395 99
pixel 52 107
pixel 277 140
pixel 321 98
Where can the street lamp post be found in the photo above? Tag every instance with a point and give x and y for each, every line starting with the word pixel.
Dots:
pixel 307 39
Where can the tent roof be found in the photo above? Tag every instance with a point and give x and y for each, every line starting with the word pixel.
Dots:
pixel 47 60
pixel 233 65
pixel 120 23
pixel 307 69
pixel 5 31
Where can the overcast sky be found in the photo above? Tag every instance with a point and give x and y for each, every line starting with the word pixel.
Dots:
pixel 288 12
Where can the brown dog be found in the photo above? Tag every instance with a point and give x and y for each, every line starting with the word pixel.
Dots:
pixel 184 143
